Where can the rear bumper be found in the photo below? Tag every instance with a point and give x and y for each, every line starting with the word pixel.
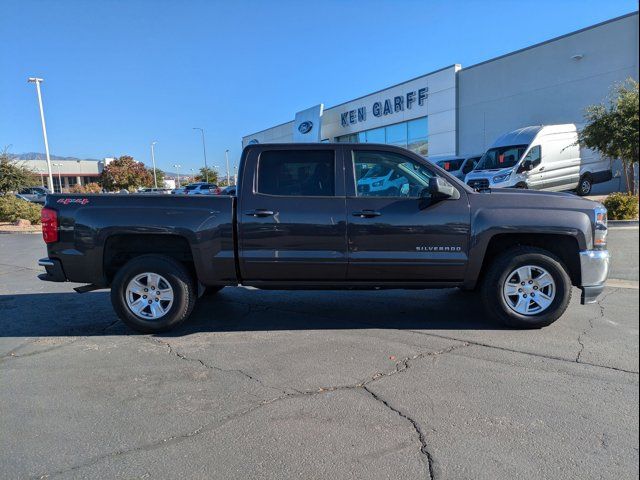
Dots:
pixel 55 273
pixel 594 267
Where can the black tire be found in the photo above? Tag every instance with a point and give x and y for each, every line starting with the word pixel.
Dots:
pixel 585 185
pixel 522 186
pixel 496 276
pixel 175 273
pixel 209 291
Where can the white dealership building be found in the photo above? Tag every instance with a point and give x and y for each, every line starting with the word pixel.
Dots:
pixel 460 110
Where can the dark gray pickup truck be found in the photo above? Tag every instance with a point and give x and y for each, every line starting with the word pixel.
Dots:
pixel 330 216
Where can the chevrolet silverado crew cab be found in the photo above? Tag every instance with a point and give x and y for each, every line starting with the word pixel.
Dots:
pixel 330 216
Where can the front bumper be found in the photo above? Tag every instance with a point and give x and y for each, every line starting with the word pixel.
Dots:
pixel 594 268
pixel 53 266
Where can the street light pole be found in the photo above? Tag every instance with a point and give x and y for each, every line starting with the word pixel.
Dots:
pixel 153 161
pixel 177 167
pixel 204 151
pixel 226 156
pixel 38 81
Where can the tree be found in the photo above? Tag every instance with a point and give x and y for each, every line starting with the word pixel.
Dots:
pixel 14 176
pixel 125 173
pixel 159 175
pixel 613 130
pixel 202 176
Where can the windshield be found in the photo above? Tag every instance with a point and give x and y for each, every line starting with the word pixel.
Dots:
pixel 501 157
pixel 451 165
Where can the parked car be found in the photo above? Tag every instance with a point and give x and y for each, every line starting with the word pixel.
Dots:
pixel 202 188
pixel 540 158
pixel 163 191
pixel 230 190
pixel 178 191
pixel 301 220
pixel 34 194
pixel 458 166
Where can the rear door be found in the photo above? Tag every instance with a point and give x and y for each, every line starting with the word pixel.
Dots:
pixel 291 214
pixel 395 235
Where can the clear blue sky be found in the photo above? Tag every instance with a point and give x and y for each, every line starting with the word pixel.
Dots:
pixel 119 74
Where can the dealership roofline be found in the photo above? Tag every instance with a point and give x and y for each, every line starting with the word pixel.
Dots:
pixel 555 39
pixel 630 14
pixel 363 96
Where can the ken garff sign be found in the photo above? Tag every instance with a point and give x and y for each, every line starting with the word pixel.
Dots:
pixel 305 127
pixel 389 106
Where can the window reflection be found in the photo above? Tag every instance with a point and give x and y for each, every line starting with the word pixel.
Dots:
pixel 412 135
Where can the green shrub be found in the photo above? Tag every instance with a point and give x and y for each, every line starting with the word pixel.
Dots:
pixel 622 206
pixel 13 208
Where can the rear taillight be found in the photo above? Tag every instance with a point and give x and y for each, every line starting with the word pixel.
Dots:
pixel 49 220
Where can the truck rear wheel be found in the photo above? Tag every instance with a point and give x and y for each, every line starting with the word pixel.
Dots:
pixel 153 293
pixel 526 287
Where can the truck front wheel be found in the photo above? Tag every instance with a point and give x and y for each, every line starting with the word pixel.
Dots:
pixel 153 293
pixel 526 287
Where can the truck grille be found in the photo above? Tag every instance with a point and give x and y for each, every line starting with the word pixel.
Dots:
pixel 479 183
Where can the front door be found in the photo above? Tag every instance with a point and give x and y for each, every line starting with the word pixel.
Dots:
pixel 291 215
pixel 393 233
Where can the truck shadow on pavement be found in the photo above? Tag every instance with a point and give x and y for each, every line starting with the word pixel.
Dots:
pixel 239 309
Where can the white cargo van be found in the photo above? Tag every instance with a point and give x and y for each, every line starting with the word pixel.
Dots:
pixel 544 157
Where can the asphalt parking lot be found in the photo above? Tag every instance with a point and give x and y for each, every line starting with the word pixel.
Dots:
pixel 269 384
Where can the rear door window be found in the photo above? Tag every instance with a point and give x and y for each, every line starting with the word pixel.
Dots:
pixel 302 173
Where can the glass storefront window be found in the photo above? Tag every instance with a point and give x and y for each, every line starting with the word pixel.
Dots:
pixel 412 135
pixel 397 134
pixel 376 136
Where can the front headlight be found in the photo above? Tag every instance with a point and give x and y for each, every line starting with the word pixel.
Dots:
pixel 601 230
pixel 501 178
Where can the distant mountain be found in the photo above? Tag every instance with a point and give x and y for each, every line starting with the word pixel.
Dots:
pixel 42 156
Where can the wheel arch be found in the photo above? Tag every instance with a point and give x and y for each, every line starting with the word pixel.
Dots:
pixel 565 247
pixel 121 248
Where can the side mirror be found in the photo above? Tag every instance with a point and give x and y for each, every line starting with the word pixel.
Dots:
pixel 438 189
pixel 526 166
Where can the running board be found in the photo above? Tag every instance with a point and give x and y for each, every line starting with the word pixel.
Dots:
pixel 87 288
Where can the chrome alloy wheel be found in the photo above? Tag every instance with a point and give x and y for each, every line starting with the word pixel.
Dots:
pixel 529 290
pixel 149 296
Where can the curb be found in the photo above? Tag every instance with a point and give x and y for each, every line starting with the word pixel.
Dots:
pixel 8 232
pixel 623 223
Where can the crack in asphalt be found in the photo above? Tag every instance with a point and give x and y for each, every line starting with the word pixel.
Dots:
pixel 591 321
pixel 251 307
pixel 13 355
pixel 181 356
pixel 532 354
pixel 401 366
pixel 416 426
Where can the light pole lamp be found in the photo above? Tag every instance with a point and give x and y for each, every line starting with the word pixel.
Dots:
pixel 153 161
pixel 177 167
pixel 204 151
pixel 38 81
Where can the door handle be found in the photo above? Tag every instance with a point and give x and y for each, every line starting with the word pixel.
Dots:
pixel 260 213
pixel 366 214
pixel 542 168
